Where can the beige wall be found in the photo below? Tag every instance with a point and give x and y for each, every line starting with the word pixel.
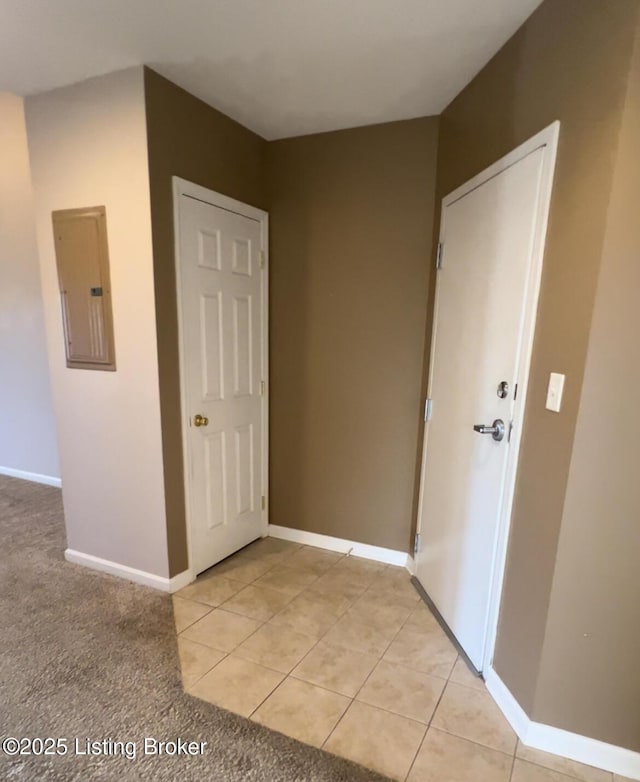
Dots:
pixel 351 236
pixel 88 147
pixel 569 62
pixel 189 139
pixel 589 676
pixel 27 424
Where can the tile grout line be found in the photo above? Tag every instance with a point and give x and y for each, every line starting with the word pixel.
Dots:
pixel 215 608
pixel 427 725
pixel 351 605
pixel 335 727
pixel 433 714
pixel 308 589
pixel 224 657
pixel 291 675
pixel 262 623
pixel 220 606
pixel 222 575
pixel 269 694
pixel 430 723
pixel 513 765
pixel 567 774
pixel 464 738
pixel 447 680
pixel 353 699
pixel 318 640
pixel 179 633
pixel 480 744
pixel 227 653
pixel 288 675
pixel 267 589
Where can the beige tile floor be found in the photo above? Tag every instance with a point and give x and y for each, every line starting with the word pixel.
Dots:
pixel 342 654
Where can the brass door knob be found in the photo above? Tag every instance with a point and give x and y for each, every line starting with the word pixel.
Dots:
pixel 200 420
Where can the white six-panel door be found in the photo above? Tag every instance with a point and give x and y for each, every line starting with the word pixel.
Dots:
pixel 222 301
pixel 492 235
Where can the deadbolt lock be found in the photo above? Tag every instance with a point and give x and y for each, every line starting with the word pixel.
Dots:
pixel 503 390
pixel 200 420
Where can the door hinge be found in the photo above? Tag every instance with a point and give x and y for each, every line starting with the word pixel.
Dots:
pixel 264 502
pixel 261 256
pixel 439 255
pixel 416 544
pixel 428 409
pixel 262 387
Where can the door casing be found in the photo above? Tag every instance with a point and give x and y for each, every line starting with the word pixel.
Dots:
pixel 548 140
pixel 184 187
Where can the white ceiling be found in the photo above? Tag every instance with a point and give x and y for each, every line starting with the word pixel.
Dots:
pixel 281 67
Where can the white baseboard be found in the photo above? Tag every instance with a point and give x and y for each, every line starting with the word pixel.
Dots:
pixel 48 480
pixel 592 752
pixel 131 574
pixel 181 580
pixel 364 550
pixel 509 706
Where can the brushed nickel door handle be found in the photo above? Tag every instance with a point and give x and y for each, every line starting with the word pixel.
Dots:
pixel 496 430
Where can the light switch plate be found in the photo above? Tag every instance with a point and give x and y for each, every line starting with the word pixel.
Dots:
pixel 554 392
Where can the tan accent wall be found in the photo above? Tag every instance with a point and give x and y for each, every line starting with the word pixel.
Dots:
pixel 569 61
pixel 350 269
pixel 589 676
pixel 189 139
pixel 351 240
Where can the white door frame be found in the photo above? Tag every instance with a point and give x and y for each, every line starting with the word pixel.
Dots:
pixel 184 187
pixel 546 139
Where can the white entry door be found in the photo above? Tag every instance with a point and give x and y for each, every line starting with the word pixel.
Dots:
pixel 492 233
pixel 222 314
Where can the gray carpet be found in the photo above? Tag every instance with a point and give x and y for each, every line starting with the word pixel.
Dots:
pixel 87 655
